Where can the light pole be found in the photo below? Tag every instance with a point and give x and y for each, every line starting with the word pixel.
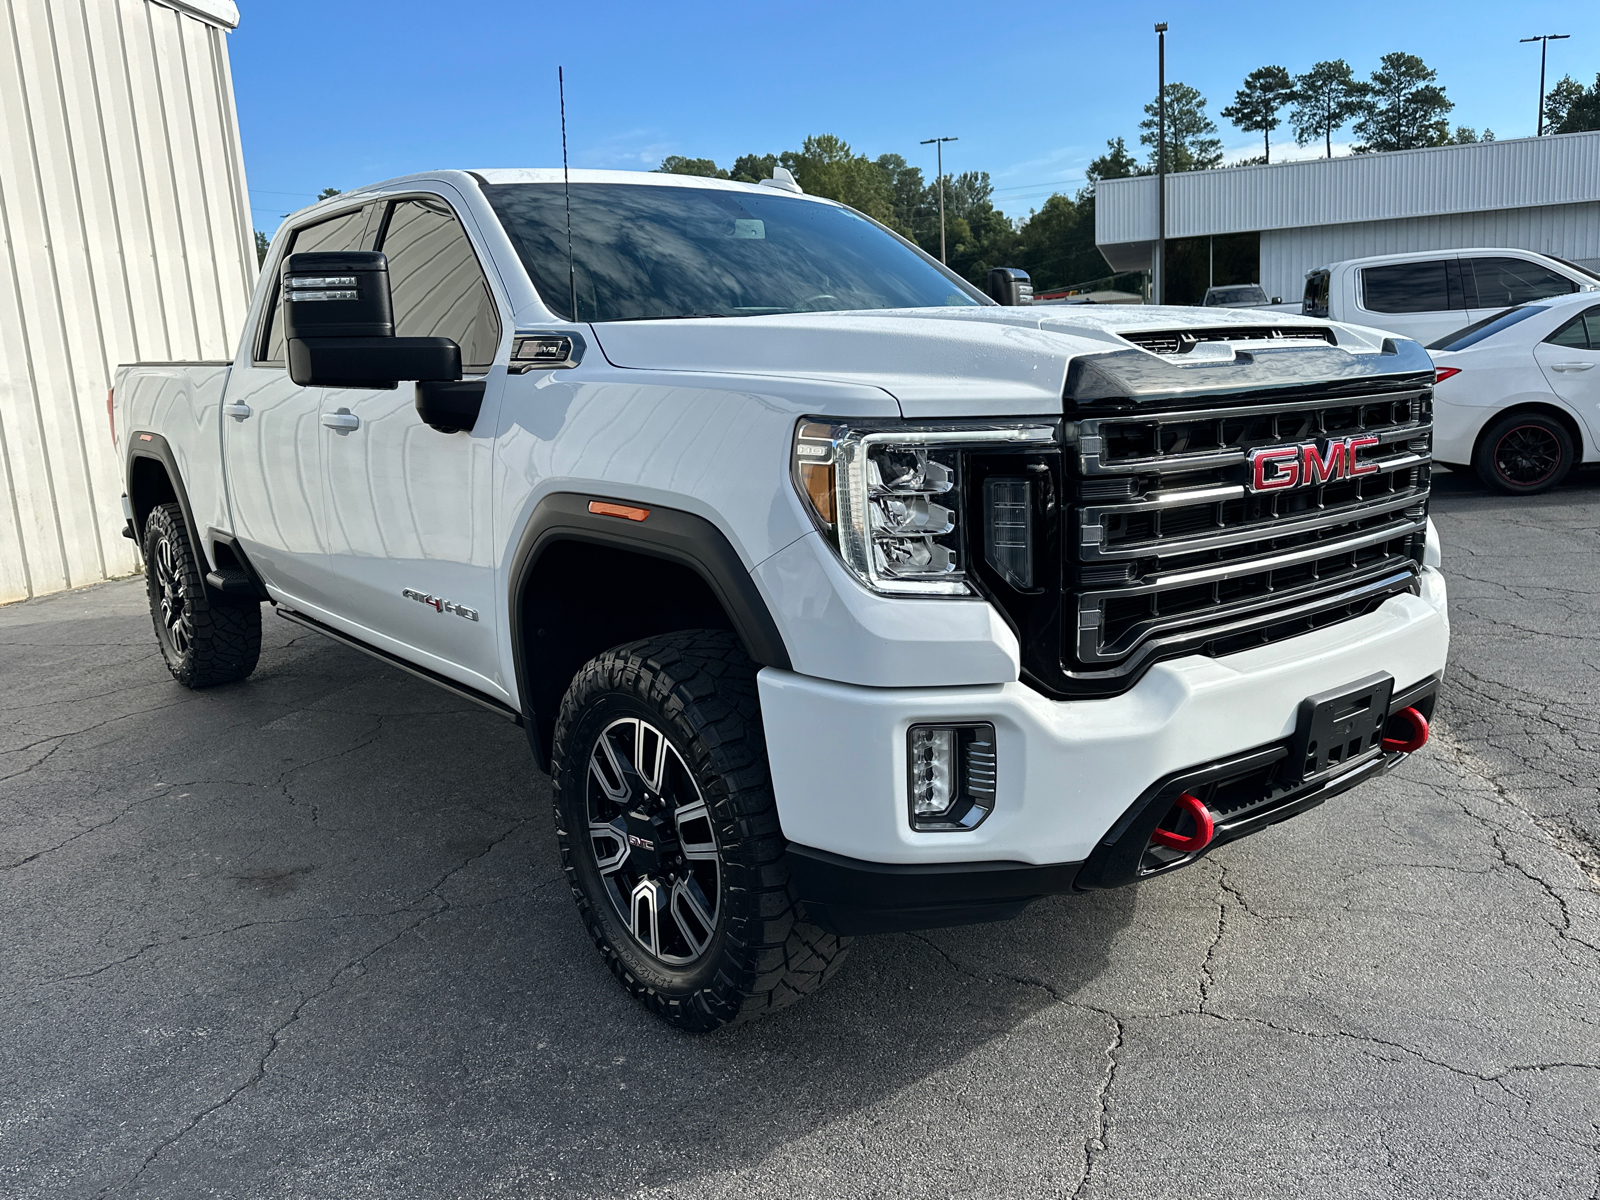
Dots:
pixel 1544 41
pixel 1160 265
pixel 938 144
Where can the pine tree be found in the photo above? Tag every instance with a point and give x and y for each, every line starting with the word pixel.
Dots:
pixel 1192 144
pixel 1326 98
pixel 1405 109
pixel 1256 105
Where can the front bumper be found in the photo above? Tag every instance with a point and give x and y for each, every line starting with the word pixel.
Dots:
pixel 1068 770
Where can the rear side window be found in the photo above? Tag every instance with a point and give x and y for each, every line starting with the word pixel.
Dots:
pixel 1505 281
pixel 438 287
pixel 1316 300
pixel 1580 333
pixel 1414 287
pixel 336 233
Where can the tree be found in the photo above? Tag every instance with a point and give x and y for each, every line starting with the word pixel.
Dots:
pixel 1465 134
pixel 326 192
pixel 676 164
pixel 262 242
pixel 826 166
pixel 1192 144
pixel 1256 105
pixel 916 210
pixel 753 168
pixel 1405 109
pixel 1570 108
pixel 1326 99
pixel 1115 163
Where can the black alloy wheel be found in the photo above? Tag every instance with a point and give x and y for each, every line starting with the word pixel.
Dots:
pixel 206 639
pixel 669 833
pixel 653 843
pixel 1524 454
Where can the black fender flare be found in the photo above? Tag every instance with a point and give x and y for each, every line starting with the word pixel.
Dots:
pixel 666 533
pixel 142 444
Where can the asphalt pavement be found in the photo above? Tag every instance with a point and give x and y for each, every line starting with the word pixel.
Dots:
pixel 306 936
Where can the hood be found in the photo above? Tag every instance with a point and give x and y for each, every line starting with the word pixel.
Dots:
pixel 937 363
pixel 970 362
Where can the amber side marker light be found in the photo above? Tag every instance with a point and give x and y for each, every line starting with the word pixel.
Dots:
pixel 603 508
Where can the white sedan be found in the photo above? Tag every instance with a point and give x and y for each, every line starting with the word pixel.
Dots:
pixel 1517 394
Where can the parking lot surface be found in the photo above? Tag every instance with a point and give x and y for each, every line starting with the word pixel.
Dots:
pixel 306 936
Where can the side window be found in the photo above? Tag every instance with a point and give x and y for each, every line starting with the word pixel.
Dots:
pixel 1503 282
pixel 1572 334
pixel 438 287
pixel 1415 287
pixel 336 233
pixel 1580 333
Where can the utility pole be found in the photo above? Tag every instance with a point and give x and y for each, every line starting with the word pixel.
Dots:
pixel 938 144
pixel 1160 264
pixel 1544 41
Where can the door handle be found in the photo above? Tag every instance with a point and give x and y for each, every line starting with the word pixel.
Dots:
pixel 1571 366
pixel 236 409
pixel 343 419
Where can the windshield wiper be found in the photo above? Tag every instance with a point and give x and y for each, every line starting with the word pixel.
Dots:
pixel 668 317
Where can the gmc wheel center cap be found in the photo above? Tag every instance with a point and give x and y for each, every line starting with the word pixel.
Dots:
pixel 652 839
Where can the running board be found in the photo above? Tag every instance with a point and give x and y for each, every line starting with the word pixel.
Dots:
pixel 394 660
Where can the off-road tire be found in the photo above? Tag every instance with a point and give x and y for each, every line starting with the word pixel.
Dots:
pixel 1524 454
pixel 698 688
pixel 205 639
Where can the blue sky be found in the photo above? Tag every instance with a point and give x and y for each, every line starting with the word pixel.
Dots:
pixel 337 93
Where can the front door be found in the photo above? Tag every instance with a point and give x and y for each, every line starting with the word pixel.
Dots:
pixel 408 508
pixel 272 441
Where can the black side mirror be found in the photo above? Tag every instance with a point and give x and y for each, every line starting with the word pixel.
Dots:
pixel 338 320
pixel 1010 285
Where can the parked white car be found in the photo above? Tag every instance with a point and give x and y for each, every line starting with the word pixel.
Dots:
pixel 1431 294
pixel 1518 393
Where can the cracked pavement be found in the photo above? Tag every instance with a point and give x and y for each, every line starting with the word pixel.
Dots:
pixel 306 937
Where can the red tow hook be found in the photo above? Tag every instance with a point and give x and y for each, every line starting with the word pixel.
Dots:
pixel 1204 827
pixel 1415 739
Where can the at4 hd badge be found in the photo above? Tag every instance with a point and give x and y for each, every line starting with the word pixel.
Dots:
pixel 440 606
pixel 1275 467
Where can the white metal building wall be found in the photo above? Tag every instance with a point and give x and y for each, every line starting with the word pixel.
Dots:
pixel 126 237
pixel 1570 231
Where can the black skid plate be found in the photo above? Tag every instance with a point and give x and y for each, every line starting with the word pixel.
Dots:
pixel 1337 727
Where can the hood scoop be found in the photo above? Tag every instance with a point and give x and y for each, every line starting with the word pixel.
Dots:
pixel 1184 341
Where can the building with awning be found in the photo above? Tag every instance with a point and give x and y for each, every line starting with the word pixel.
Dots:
pixel 1271 224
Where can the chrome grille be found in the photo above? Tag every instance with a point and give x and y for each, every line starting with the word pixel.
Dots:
pixel 1176 552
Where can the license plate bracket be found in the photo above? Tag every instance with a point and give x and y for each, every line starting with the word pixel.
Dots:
pixel 1339 726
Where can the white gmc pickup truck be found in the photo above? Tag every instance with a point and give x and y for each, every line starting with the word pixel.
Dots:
pixel 834 596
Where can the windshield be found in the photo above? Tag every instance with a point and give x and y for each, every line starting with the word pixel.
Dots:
pixel 646 252
pixel 1488 327
pixel 1249 294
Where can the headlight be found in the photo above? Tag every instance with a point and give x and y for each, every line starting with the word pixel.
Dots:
pixel 890 498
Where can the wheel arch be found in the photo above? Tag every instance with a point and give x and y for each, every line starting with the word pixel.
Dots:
pixel 153 478
pixel 683 563
pixel 1542 408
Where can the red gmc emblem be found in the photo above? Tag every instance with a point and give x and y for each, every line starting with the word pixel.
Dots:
pixel 1275 467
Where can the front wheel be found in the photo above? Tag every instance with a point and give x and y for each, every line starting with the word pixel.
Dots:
pixel 669 833
pixel 1524 454
pixel 205 639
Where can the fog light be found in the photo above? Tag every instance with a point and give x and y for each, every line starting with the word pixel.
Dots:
pixel 951 773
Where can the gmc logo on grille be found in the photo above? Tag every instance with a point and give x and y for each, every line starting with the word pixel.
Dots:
pixel 1273 468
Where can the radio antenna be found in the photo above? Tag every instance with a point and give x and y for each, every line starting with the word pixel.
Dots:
pixel 566 187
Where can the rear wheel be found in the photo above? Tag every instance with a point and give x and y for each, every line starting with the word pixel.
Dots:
pixel 1524 454
pixel 205 639
pixel 669 833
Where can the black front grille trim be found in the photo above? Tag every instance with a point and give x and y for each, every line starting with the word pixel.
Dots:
pixel 1181 341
